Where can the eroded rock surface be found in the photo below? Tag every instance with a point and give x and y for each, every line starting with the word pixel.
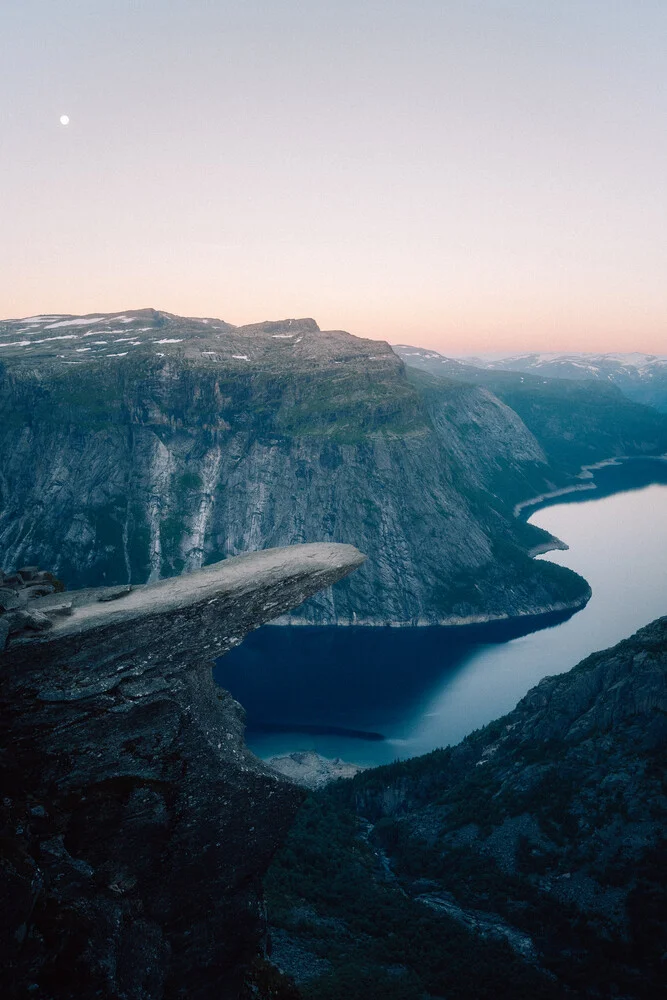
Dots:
pixel 311 769
pixel 136 824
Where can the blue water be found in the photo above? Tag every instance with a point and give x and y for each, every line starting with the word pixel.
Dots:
pixel 427 687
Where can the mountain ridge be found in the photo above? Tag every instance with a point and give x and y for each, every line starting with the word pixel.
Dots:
pixel 641 377
pixel 165 443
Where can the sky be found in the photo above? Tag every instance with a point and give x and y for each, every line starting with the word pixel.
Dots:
pixel 465 175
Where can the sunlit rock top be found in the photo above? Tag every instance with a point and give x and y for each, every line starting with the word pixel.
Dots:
pixel 149 333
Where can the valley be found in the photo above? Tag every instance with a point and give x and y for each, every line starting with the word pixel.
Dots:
pixel 640 377
pixel 140 453
pixel 426 688
pixel 199 440
pixel 333 501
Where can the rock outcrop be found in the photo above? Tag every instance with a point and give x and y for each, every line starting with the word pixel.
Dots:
pixel 311 769
pixel 18 613
pixel 135 824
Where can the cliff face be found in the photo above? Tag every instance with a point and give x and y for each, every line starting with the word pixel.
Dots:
pixel 134 447
pixel 544 831
pixel 135 824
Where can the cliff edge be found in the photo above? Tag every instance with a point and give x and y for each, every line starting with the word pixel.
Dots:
pixel 136 824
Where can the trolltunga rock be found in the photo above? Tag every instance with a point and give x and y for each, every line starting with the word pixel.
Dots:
pixel 137 823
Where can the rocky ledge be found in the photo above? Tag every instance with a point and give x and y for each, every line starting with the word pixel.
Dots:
pixel 136 824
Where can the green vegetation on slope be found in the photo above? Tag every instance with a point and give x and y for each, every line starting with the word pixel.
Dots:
pixel 548 824
pixel 576 422
pixel 327 890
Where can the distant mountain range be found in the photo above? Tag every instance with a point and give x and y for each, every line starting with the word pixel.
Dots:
pixel 642 377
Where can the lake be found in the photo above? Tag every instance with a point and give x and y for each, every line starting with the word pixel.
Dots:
pixel 337 690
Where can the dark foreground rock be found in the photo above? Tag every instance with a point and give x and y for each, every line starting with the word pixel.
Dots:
pixel 135 824
pixel 527 861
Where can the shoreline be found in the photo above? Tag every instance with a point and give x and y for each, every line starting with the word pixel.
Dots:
pixel 485 629
pixel 585 472
pixel 542 498
pixel 555 545
pixel 457 622
pixel 540 617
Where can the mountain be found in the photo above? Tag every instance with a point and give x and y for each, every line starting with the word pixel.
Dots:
pixel 528 861
pixel 641 377
pixel 135 824
pixel 140 445
pixel 577 422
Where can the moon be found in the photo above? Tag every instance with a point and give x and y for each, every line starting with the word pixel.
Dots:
pixel 64 119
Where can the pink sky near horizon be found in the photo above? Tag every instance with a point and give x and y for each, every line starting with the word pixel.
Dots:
pixel 473 176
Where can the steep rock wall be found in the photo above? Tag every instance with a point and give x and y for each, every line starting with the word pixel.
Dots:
pixel 143 466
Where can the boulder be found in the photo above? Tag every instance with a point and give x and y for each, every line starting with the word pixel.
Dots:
pixel 63 610
pixel 20 620
pixel 114 593
pixel 28 572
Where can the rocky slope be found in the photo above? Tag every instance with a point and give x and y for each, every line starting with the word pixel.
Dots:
pixel 140 445
pixel 135 823
pixel 544 832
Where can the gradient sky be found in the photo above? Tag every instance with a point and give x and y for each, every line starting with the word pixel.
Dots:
pixel 471 175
